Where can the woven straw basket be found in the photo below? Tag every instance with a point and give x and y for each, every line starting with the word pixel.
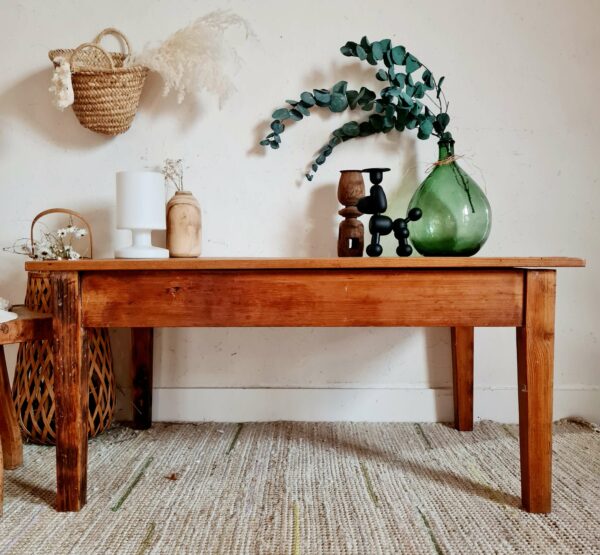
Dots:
pixel 106 93
pixel 33 386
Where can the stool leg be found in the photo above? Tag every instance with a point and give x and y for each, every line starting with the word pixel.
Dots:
pixel 12 447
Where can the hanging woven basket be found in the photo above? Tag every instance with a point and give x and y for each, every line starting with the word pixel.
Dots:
pixel 107 94
pixel 33 386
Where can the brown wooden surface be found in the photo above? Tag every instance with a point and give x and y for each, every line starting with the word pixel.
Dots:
pixel 1 483
pixel 71 391
pixel 535 357
pixel 142 346
pixel 306 263
pixel 462 372
pixel 288 298
pixel 28 326
pixel 10 435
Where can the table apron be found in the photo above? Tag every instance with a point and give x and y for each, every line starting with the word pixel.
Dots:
pixel 296 298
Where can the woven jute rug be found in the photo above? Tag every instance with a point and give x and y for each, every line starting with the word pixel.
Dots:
pixel 307 488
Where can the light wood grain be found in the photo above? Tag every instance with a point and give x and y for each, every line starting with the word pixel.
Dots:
pixel 71 393
pixel 290 298
pixel 535 357
pixel 304 263
pixel 10 435
pixel 28 326
pixel 462 371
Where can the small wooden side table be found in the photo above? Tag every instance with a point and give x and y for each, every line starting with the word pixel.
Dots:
pixel 461 293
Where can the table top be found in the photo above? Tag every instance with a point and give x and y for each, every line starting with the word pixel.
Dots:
pixel 364 263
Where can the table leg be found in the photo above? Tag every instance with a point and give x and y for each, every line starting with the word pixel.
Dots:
pixel 71 393
pixel 535 357
pixel 142 346
pixel 462 372
pixel 10 434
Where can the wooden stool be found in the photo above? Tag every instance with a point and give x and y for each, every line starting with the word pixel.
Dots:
pixel 29 326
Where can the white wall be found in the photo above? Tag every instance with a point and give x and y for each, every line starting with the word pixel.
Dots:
pixel 522 81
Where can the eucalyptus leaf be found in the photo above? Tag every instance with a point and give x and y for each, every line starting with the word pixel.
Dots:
pixel 411 123
pixel 385 44
pixel 411 63
pixel 265 142
pixel 282 113
pixel 296 115
pixel 351 129
pixel 387 58
pixel 292 102
pixel 443 120
pixel 340 87
pixel 381 75
pixel 352 97
pixel 307 98
pixel 303 110
pixel 322 98
pixel 320 159
pixel 274 145
pixel 360 52
pixel 428 79
pixel 376 120
pixel 364 42
pixel 327 151
pixel 277 127
pixel 315 167
pixel 365 129
pixel 419 90
pixel 397 54
pixel 338 102
pixel 349 49
pixel 377 51
pixel 439 86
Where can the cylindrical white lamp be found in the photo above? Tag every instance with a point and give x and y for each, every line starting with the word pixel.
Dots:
pixel 141 208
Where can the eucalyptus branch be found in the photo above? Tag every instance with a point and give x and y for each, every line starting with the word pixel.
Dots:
pixel 398 105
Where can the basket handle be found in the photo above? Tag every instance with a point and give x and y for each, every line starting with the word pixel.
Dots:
pixel 97 47
pixel 62 211
pixel 115 33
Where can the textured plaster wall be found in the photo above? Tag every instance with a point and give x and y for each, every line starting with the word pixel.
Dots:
pixel 523 88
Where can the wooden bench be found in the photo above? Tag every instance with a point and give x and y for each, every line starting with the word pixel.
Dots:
pixel 28 326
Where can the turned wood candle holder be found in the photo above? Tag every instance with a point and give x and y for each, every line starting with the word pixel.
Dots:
pixel 351 236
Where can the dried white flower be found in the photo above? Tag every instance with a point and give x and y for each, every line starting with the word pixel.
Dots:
pixel 62 232
pixel 81 233
pixel 61 86
pixel 193 58
pixel 173 172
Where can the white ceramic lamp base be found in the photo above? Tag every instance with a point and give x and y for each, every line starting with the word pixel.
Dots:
pixel 141 246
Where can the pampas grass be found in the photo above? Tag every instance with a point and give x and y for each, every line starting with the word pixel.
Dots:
pixel 195 57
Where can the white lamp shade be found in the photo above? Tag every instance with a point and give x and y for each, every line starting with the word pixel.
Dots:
pixel 141 200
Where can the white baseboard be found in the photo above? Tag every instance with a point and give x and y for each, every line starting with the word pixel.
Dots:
pixel 370 405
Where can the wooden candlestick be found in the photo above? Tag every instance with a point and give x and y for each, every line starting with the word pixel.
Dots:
pixel 351 237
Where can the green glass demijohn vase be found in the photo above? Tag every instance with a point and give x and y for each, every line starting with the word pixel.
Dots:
pixel 457 216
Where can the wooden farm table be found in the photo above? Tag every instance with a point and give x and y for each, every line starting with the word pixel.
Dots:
pixel 461 293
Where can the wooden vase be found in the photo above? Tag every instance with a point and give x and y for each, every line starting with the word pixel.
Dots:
pixel 351 237
pixel 33 386
pixel 184 226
